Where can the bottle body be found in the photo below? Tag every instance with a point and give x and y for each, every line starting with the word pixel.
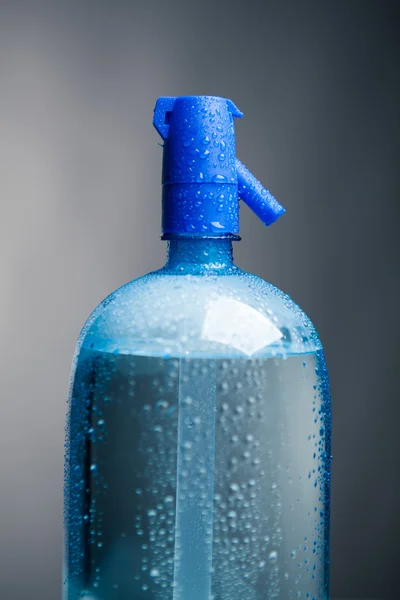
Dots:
pixel 198 450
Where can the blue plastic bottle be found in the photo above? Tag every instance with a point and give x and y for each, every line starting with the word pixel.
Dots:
pixel 198 436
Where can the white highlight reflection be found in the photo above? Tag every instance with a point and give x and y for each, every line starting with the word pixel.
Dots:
pixel 229 321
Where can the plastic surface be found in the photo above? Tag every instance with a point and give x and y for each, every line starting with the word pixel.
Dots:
pixel 260 200
pixel 200 304
pixel 202 179
pixel 199 440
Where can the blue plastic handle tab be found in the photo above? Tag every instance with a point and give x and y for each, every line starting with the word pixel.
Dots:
pixel 162 115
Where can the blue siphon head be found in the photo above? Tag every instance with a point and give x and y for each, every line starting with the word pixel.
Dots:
pixel 202 179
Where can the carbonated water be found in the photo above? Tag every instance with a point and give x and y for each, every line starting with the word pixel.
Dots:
pixel 198 478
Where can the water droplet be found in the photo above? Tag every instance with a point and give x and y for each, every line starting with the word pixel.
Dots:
pixel 154 573
pixel 273 556
pixel 219 179
pixel 234 487
pixel 221 157
pixel 162 405
pixel 293 554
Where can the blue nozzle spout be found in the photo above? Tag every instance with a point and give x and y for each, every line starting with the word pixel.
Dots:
pixel 260 200
pixel 202 179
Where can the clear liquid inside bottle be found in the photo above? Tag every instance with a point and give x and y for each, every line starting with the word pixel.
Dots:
pixel 267 475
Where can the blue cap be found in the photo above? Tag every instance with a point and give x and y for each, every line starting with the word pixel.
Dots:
pixel 202 179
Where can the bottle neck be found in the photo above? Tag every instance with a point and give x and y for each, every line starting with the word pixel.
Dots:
pixel 187 255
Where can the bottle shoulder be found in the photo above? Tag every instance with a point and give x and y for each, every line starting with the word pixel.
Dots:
pixel 166 313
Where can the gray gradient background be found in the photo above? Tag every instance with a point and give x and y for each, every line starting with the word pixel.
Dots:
pixel 318 82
